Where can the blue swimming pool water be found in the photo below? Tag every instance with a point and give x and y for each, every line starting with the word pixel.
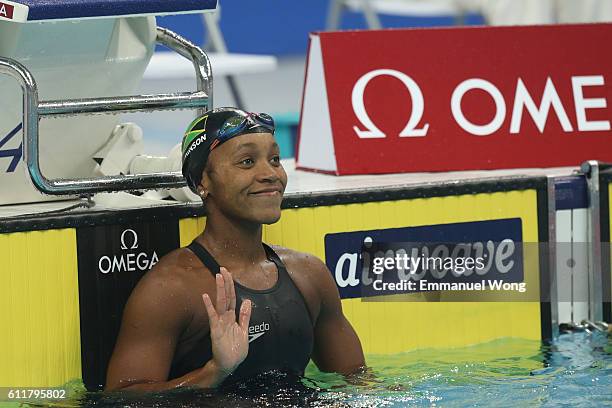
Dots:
pixel 575 371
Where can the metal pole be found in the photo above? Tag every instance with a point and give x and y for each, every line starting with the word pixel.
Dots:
pixel 591 170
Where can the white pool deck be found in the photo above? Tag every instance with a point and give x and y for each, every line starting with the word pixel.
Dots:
pixel 301 183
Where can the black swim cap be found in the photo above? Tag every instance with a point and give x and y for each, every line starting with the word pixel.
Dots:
pixel 212 129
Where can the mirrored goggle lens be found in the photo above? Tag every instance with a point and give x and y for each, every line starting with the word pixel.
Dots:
pixel 231 127
pixel 265 119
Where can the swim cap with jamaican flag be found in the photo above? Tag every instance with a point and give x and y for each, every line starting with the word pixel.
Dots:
pixel 211 130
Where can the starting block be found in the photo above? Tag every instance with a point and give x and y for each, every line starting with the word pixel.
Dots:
pixel 72 65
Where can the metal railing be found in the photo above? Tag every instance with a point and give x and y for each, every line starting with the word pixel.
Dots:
pixel 33 111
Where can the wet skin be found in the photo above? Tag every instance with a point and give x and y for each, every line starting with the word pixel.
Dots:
pixel 165 316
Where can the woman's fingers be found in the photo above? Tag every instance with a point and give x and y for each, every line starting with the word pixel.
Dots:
pixel 221 296
pixel 229 288
pixel 213 318
pixel 245 314
pixel 226 279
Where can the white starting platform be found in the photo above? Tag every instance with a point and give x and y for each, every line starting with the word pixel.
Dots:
pixel 76 64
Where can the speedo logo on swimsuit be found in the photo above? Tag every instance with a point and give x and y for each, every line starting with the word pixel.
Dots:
pixel 256 332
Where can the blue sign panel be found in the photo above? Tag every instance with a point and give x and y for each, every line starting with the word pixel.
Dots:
pixel 469 252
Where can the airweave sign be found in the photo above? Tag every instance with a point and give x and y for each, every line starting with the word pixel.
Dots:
pixel 112 259
pixel 494 246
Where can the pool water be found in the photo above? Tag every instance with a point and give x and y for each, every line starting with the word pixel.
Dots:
pixel 575 371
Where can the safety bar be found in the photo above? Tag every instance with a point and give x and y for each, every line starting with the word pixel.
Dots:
pixel 33 111
pixel 187 100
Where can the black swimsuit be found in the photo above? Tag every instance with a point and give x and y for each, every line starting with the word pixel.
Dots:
pixel 280 329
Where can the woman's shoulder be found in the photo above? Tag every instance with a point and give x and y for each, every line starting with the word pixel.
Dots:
pixel 176 270
pixel 176 263
pixel 310 274
pixel 301 262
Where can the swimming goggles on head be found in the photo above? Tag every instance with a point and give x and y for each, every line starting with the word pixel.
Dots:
pixel 240 124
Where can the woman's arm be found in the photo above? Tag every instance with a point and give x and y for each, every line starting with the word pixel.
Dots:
pixel 336 345
pixel 153 320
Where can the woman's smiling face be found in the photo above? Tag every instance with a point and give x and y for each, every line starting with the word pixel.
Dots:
pixel 245 179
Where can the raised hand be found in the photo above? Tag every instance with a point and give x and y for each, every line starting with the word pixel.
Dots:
pixel 230 343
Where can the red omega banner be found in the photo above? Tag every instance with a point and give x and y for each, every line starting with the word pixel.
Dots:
pixel 415 100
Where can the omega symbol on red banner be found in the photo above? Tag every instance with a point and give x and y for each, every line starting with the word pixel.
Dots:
pixel 6 10
pixel 128 260
pixel 550 102
pixel 418 106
